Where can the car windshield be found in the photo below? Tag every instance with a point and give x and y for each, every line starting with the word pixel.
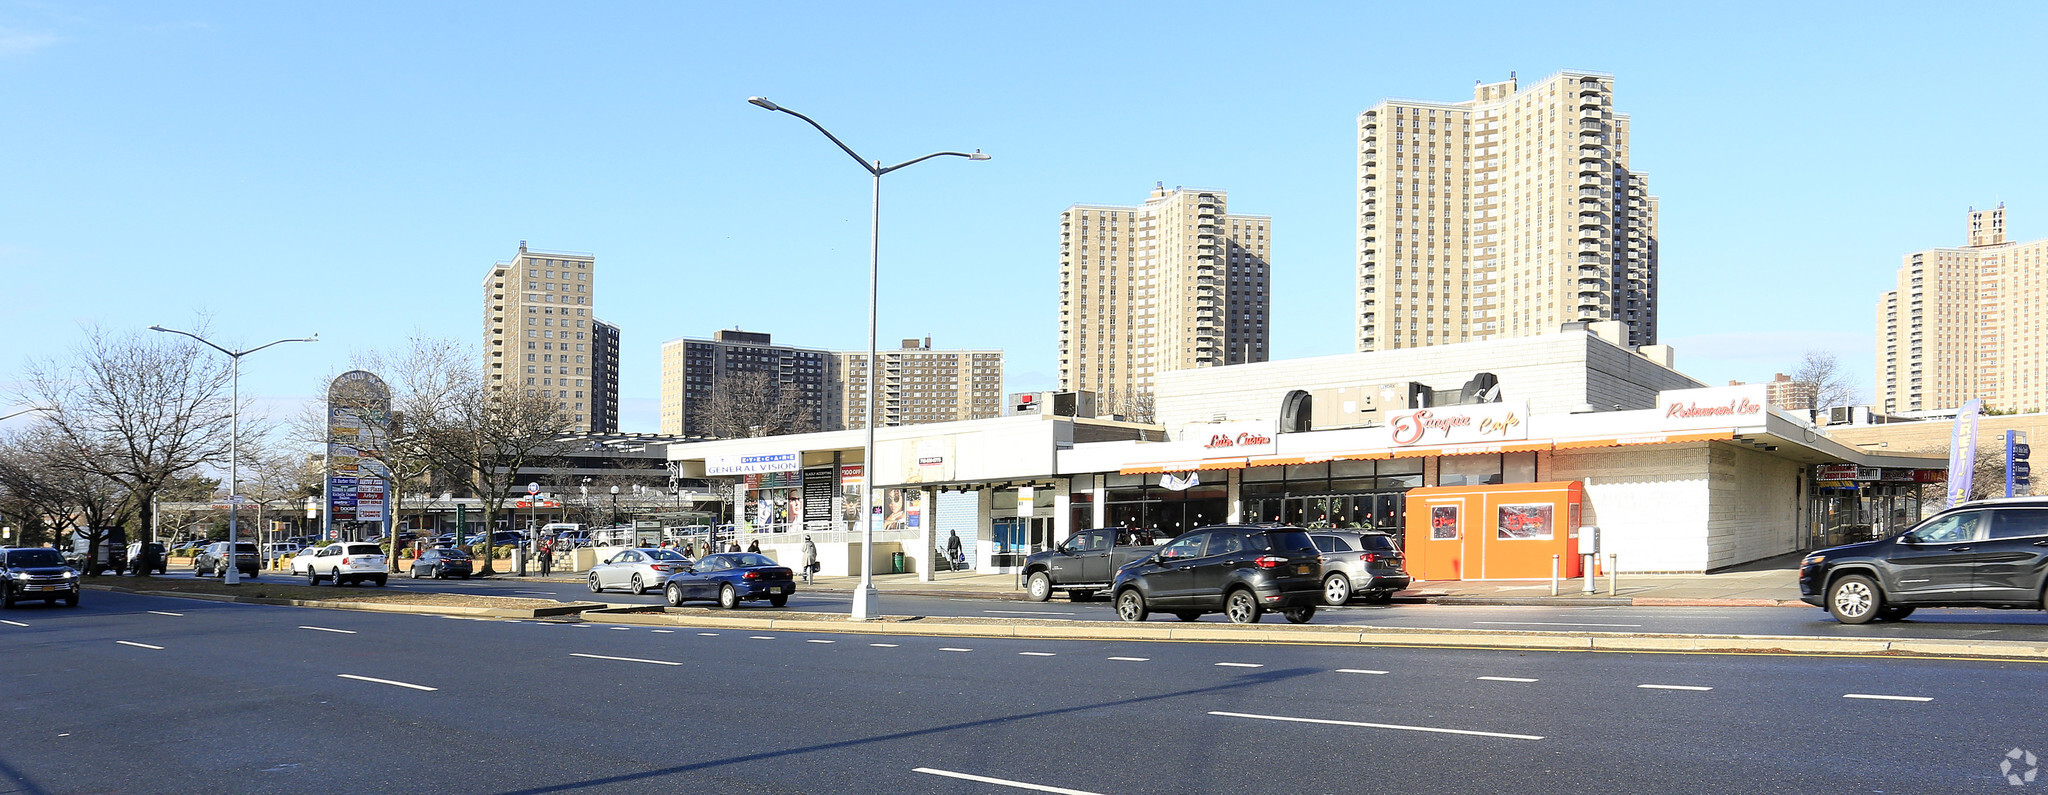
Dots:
pixel 453 554
pixel 245 548
pixel 746 559
pixel 1289 541
pixel 34 557
pixel 1378 542
pixel 664 554
pixel 364 549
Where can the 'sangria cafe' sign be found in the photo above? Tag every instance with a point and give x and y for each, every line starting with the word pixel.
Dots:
pixel 1486 422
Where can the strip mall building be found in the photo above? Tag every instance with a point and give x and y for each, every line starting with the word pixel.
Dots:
pixel 1487 479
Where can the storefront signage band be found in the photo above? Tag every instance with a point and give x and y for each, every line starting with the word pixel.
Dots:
pixel 728 465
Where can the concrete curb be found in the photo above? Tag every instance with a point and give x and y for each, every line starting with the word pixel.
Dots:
pixel 558 609
pixel 1344 635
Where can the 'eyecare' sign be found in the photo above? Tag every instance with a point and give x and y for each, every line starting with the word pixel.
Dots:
pixel 1484 422
pixel 728 465
pixel 1713 407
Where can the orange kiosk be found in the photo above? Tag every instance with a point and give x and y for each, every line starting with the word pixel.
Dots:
pixel 1501 531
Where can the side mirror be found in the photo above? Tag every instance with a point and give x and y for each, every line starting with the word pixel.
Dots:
pixel 1908 539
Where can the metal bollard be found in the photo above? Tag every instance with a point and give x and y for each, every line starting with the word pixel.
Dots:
pixel 1591 563
pixel 1613 562
pixel 1553 575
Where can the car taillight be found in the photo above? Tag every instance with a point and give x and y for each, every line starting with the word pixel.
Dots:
pixel 1270 561
pixel 1370 557
pixel 344 561
pixel 752 575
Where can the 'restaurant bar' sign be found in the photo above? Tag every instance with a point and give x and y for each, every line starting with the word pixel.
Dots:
pixel 1713 407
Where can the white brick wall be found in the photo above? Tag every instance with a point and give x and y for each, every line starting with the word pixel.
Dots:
pixel 1753 506
pixel 1651 505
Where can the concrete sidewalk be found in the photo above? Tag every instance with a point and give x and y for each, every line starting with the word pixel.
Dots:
pixel 1766 584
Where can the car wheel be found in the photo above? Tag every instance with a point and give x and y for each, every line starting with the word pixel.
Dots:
pixel 778 601
pixel 381 578
pixel 1242 607
pixel 7 598
pixel 1039 587
pixel 1130 605
pixel 1188 615
pixel 639 586
pixel 312 577
pixel 728 597
pixel 1336 589
pixel 594 587
pixel 1854 599
pixel 674 593
pixel 1299 615
pixel 1894 613
pixel 71 601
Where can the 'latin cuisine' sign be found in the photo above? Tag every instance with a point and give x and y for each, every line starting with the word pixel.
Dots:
pixel 1485 422
pixel 1223 439
pixel 1713 407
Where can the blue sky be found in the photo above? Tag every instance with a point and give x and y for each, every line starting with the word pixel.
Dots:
pixel 354 169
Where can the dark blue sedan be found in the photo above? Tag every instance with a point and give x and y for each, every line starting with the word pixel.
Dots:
pixel 731 578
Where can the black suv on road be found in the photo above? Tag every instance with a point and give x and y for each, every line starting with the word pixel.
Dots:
pixel 1238 570
pixel 30 573
pixel 1991 553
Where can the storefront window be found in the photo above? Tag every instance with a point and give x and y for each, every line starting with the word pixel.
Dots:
pixel 1518 467
pixel 1468 470
pixel 1341 494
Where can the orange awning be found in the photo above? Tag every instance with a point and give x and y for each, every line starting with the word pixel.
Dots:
pixel 1183 466
pixel 1653 438
pixel 1286 460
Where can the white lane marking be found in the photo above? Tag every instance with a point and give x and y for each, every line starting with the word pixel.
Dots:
pixel 1673 687
pixel 1001 781
pixel 884 645
pixel 12 623
pixel 1504 679
pixel 821 641
pixel 166 613
pixel 664 632
pixel 708 633
pixel 1242 665
pixel 1431 729
pixel 1552 624
pixel 139 645
pixel 623 659
pixel 623 629
pixel 1358 671
pixel 1037 654
pixel 1878 698
pixel 760 637
pixel 549 593
pixel 1031 612
pixel 949 648
pixel 324 629
pixel 1130 659
pixel 393 683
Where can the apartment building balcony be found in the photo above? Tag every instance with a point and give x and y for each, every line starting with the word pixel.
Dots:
pixel 1594 125
pixel 1595 181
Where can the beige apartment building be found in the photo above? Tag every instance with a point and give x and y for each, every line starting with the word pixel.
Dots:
pixel 920 385
pixel 1174 284
pixel 538 334
pixel 692 368
pixel 1967 323
pixel 1504 216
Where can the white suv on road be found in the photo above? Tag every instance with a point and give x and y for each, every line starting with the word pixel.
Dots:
pixel 342 562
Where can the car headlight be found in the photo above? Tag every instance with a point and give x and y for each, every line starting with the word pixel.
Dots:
pixel 1812 560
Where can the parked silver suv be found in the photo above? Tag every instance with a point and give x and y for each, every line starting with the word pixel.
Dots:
pixel 1360 563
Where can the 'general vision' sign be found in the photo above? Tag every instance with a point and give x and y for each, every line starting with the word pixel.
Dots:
pixel 726 465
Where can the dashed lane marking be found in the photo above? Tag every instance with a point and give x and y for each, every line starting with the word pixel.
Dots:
pixel 1886 698
pixel 623 629
pixel 623 659
pixel 760 637
pixel 139 645
pixel 1036 654
pixel 1240 665
pixel 1551 624
pixel 1504 679
pixel 167 613
pixel 664 632
pixel 336 631
pixel 1130 659
pixel 814 640
pixel 1363 725
pixel 1358 671
pixel 884 645
pixel 1004 782
pixel 1031 612
pixel 949 648
pixel 708 634
pixel 391 682
pixel 1673 687
pixel 12 623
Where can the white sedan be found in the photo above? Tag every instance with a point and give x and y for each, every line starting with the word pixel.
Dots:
pixel 641 570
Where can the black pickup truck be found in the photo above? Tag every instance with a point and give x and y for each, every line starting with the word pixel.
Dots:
pixel 1086 563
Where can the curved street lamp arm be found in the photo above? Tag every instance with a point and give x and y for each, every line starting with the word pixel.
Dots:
pixel 970 156
pixel 209 343
pixel 835 139
pixel 314 338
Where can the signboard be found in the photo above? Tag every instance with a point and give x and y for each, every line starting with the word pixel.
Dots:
pixel 1834 472
pixel 1443 522
pixel 2018 475
pixel 1486 422
pixel 358 423
pixel 1962 453
pixel 820 492
pixel 1524 522
pixel 729 465
pixel 1026 501
pixel 1713 407
pixel 1227 439
pixel 849 494
pixel 926 460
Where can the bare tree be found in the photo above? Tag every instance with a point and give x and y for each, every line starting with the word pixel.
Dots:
pixel 138 412
pixel 1130 403
pixel 1831 385
pixel 753 403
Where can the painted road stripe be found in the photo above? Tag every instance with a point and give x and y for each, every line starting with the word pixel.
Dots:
pixel 160 648
pixel 12 623
pixel 1241 665
pixel 1673 687
pixel 1037 654
pixel 1030 612
pixel 949 648
pixel 708 634
pixel 324 629
pixel 760 637
pixel 1551 624
pixel 1130 659
pixel 390 682
pixel 1358 671
pixel 548 593
pixel 623 659
pixel 1004 782
pixel 884 645
pixel 821 641
pixel 166 613
pixel 1855 695
pixel 1504 679
pixel 1431 729
pixel 664 632
pixel 623 629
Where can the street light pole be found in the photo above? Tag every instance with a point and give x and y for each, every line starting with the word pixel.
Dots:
pixel 865 598
pixel 233 574
pixel 615 506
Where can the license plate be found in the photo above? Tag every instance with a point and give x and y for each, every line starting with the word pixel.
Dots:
pixel 42 587
pixel 1301 569
pixel 776 589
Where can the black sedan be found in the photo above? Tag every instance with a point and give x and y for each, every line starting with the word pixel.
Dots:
pixel 440 563
pixel 731 578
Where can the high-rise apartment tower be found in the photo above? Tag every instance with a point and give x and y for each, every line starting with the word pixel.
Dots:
pixel 604 377
pixel 1173 284
pixel 539 335
pixel 1505 216
pixel 1967 323
pixel 692 368
pixel 920 385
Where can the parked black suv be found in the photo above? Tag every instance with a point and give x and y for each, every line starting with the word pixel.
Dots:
pixel 30 573
pixel 1238 570
pixel 1991 553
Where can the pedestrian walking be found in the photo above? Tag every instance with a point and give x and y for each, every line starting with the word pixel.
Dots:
pixel 754 546
pixel 810 559
pixel 547 557
pixel 953 549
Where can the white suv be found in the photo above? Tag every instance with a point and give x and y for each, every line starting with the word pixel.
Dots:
pixel 342 562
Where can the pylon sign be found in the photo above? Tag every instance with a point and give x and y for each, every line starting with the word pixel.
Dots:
pixel 358 430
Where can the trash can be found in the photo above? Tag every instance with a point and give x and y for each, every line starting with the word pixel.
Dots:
pixel 895 563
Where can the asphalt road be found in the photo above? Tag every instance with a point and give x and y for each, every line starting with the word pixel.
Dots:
pixel 146 694
pixel 1950 624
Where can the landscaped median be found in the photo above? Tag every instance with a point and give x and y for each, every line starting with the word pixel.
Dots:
pixel 372 599
pixel 1322 634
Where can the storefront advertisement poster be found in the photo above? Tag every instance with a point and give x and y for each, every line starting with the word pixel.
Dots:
pixel 849 494
pixel 902 509
pixel 1443 522
pixel 1525 522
